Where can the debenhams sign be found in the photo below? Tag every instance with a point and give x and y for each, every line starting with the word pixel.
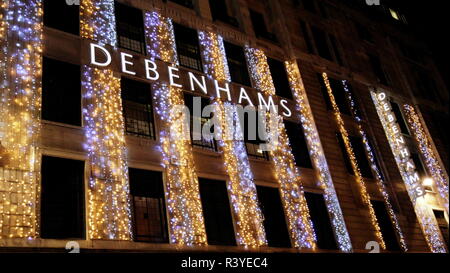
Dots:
pixel 155 70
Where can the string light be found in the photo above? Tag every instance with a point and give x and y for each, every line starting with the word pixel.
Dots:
pixel 440 177
pixel 286 172
pixel 358 176
pixel 182 188
pixel 371 157
pixel 108 191
pixel 318 157
pixel 98 22
pixel 241 186
pixel 20 109
pixel 407 170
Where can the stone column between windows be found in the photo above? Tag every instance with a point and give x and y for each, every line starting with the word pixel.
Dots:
pixel 20 111
pixel 247 215
pixel 108 207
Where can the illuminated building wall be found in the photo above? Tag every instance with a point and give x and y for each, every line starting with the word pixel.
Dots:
pixel 109 150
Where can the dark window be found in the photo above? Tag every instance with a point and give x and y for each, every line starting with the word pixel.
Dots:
pixel 442 223
pixel 307 37
pixel 377 69
pixel 137 108
pixel 61 16
pixel 324 91
pixel 260 27
pixel 147 193
pixel 185 3
pixel 61 92
pixel 277 233
pixel 237 64
pixel 337 54
pixel 252 138
pixel 399 117
pixel 386 226
pixel 298 144
pixel 322 47
pixel 321 221
pixel 419 165
pixel 216 210
pixel 130 28
pixel 340 96
pixel 280 78
pixel 199 141
pixel 219 11
pixel 188 47
pixel 62 198
pixel 361 157
pixel 348 164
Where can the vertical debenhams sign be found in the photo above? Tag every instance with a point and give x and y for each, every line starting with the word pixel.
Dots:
pixel 155 70
pixel 398 145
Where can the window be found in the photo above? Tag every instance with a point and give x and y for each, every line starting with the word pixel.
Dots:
pixel 361 157
pixel 188 47
pixel 252 138
pixel 220 12
pixel 387 230
pixel 197 137
pixel 216 210
pixel 347 163
pixel 280 78
pixel 185 3
pixel 62 198
pixel 399 117
pixel 322 47
pixel 147 195
pixel 61 92
pixel 340 96
pixel 419 165
pixel 321 221
pixel 335 49
pixel 442 223
pixel 61 16
pixel 307 37
pixel 277 233
pixel 130 28
pixel 377 69
pixel 137 108
pixel 237 64
pixel 260 27
pixel 298 144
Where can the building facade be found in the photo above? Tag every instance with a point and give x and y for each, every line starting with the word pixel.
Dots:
pixel 88 153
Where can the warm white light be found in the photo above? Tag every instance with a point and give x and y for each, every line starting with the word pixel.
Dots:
pixel 427 182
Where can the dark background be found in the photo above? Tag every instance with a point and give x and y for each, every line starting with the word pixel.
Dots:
pixel 428 20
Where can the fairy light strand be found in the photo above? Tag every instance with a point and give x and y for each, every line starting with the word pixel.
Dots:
pixel 286 171
pixel 21 37
pixel 407 170
pixel 371 157
pixel 108 191
pixel 241 187
pixel 317 155
pixel 435 169
pixel 182 186
pixel 358 176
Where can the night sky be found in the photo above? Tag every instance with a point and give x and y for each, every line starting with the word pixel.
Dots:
pixel 429 21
